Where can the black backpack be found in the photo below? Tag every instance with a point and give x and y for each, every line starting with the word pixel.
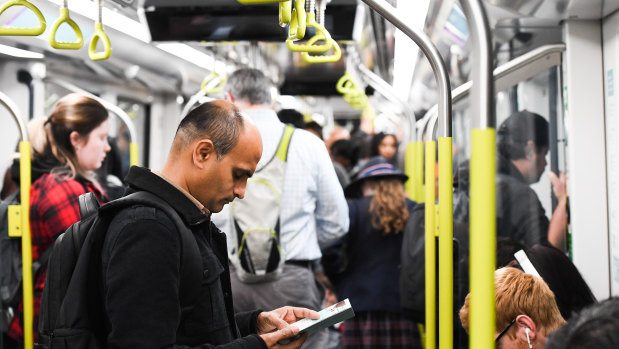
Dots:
pixel 72 313
pixel 11 265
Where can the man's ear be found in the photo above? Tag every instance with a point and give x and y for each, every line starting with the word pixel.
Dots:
pixel 529 150
pixel 523 322
pixel 229 97
pixel 203 151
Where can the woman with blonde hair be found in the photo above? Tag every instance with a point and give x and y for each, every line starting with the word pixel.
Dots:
pixel 378 212
pixel 75 145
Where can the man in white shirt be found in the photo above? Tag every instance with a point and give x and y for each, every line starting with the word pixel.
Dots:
pixel 313 212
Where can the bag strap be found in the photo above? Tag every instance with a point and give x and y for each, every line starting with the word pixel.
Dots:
pixel 284 143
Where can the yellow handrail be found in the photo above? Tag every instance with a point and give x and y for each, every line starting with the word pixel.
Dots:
pixel 445 242
pixel 483 237
pixel 321 33
pixel 65 18
pixel 430 245
pixel 133 154
pixel 99 35
pixel 23 31
pixel 296 30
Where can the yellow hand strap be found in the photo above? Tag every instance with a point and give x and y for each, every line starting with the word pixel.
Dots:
pixel 65 18
pixel 24 31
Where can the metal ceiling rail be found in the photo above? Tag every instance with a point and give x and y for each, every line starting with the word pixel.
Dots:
pixel 385 89
pixel 133 152
pixel 506 75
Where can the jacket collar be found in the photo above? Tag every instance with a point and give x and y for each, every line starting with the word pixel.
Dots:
pixel 508 168
pixel 140 178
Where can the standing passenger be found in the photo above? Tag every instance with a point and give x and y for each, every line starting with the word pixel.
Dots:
pixel 76 144
pixel 313 209
pixel 378 215
pixel 214 151
pixel 385 145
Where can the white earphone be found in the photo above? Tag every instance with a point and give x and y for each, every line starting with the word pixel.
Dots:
pixel 527 330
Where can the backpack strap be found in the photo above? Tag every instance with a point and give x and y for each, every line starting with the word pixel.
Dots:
pixel 284 143
pixel 189 290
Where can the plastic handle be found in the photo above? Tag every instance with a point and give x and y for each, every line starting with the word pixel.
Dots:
pixel 208 79
pixel 64 18
pixel 345 85
pixel 296 30
pixel 107 45
pixel 285 9
pixel 337 54
pixel 321 34
pixel 24 31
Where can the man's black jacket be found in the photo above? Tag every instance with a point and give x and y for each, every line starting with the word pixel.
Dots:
pixel 141 275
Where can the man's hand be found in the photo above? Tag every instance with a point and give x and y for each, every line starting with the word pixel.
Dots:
pixel 273 326
pixel 559 185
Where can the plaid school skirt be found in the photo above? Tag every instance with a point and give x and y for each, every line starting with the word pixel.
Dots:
pixel 380 329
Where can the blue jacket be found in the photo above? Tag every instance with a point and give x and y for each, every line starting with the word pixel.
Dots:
pixel 371 279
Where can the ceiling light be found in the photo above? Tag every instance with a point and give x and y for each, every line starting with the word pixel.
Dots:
pixel 189 53
pixel 17 52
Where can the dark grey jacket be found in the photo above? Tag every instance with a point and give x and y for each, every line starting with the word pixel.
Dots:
pixel 520 215
pixel 141 274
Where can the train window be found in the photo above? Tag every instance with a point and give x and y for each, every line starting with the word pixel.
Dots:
pixel 522 213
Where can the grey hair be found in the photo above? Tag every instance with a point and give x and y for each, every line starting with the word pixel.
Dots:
pixel 219 121
pixel 250 85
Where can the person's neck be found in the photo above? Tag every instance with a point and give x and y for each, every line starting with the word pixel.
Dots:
pixel 522 166
pixel 171 171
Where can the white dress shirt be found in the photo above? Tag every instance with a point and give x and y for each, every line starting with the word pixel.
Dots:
pixel 314 212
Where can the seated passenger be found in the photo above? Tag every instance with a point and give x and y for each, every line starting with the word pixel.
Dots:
pixel 526 311
pixel 571 291
pixel 595 327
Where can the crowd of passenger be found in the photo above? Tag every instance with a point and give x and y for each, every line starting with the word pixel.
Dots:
pixel 345 224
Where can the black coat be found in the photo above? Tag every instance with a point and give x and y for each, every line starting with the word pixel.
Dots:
pixel 141 264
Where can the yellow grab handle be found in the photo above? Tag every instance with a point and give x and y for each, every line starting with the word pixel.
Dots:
pixel 321 34
pixel 133 154
pixel 107 45
pixel 445 242
pixel 209 78
pixel 482 238
pixel 345 85
pixel 23 31
pixel 285 9
pixel 296 30
pixel 430 246
pixel 64 18
pixel 337 54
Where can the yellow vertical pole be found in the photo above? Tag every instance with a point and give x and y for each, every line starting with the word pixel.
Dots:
pixel 26 243
pixel 410 163
pixel 483 238
pixel 430 246
pixel 445 242
pixel 133 154
pixel 418 178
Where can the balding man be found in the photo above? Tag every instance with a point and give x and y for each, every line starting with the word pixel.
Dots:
pixel 149 301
